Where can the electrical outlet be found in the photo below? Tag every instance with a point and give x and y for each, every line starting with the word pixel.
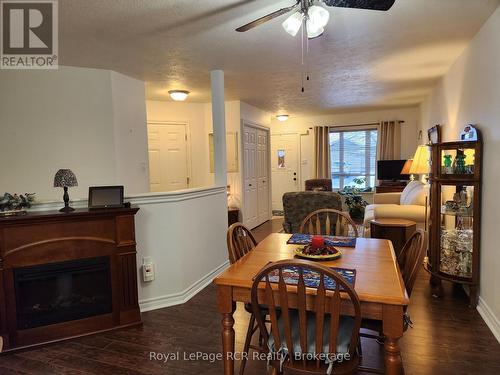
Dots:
pixel 148 269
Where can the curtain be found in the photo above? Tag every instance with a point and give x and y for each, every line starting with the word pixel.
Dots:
pixel 322 152
pixel 389 140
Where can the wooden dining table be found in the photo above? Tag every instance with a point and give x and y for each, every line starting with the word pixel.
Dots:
pixel 378 284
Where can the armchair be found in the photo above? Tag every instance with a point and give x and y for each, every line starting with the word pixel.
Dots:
pixel 409 205
pixel 298 205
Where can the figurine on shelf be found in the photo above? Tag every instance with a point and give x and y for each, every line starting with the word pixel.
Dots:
pixel 448 169
pixel 463 198
pixel 460 164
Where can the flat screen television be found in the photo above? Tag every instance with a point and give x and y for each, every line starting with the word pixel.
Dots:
pixel 390 170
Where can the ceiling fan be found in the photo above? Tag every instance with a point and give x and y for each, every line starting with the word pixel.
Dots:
pixel 315 17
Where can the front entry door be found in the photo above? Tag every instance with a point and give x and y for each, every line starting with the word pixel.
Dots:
pixel 284 167
pixel 168 157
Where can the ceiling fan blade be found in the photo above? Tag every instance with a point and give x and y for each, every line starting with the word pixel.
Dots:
pixel 264 19
pixel 362 4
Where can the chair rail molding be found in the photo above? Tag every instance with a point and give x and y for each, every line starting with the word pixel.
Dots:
pixel 140 199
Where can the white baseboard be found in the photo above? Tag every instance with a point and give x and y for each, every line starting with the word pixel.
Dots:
pixel 184 296
pixel 489 318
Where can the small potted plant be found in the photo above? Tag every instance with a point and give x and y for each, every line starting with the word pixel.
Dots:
pixel 354 200
pixel 15 204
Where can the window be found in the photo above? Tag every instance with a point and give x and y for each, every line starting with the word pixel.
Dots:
pixel 281 159
pixel 353 156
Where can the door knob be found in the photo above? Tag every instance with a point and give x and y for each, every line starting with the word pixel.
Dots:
pixel 295 173
pixel 249 184
pixel 295 179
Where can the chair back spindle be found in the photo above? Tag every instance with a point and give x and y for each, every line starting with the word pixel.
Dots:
pixel 329 222
pixel 240 241
pixel 291 304
pixel 411 258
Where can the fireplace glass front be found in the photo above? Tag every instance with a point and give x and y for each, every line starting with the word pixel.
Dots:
pixel 60 292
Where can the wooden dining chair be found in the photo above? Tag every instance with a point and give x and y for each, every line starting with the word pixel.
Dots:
pixel 307 335
pixel 410 261
pixel 329 221
pixel 240 241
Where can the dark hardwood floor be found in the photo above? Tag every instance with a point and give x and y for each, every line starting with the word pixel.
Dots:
pixel 448 338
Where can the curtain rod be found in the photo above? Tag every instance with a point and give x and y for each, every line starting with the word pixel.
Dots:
pixel 356 125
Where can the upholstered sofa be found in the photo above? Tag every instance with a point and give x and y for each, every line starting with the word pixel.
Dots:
pixel 297 206
pixel 409 205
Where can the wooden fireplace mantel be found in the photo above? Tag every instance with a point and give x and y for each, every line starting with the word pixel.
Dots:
pixel 51 237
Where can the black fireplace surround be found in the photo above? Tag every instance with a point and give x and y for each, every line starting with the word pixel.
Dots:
pixel 60 292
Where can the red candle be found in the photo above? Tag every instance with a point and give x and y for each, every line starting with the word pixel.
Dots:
pixel 317 242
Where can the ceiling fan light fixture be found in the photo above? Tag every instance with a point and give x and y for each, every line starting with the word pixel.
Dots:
pixel 293 23
pixel 178 95
pixel 282 118
pixel 318 16
pixel 313 31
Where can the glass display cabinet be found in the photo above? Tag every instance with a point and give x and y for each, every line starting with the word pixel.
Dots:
pixel 454 223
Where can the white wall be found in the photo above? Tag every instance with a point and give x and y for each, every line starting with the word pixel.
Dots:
pixel 184 233
pixel 470 93
pixel 253 114
pixel 301 125
pixel 51 120
pixel 69 118
pixel 130 137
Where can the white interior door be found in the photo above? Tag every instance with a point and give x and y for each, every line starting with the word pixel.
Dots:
pixel 284 166
pixel 263 175
pixel 168 157
pixel 250 176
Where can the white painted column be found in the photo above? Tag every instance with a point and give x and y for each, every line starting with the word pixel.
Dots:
pixel 219 127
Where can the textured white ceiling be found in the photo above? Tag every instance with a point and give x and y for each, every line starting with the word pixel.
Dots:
pixel 365 60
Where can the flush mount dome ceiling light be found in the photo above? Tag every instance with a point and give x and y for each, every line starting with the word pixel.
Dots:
pixel 178 95
pixel 282 118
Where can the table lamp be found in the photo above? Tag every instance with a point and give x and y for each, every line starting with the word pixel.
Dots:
pixel 65 178
pixel 406 169
pixel 421 164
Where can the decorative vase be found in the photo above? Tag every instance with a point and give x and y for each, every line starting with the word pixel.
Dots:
pixel 460 164
pixel 448 164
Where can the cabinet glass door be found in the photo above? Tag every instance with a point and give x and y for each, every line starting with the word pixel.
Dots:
pixel 457 231
pixel 458 161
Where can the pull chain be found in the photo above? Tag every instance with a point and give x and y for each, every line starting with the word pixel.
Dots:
pixel 307 57
pixel 302 42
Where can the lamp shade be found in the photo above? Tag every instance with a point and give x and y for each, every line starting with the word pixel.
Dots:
pixel 65 178
pixel 421 164
pixel 293 23
pixel 313 31
pixel 318 16
pixel 406 167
